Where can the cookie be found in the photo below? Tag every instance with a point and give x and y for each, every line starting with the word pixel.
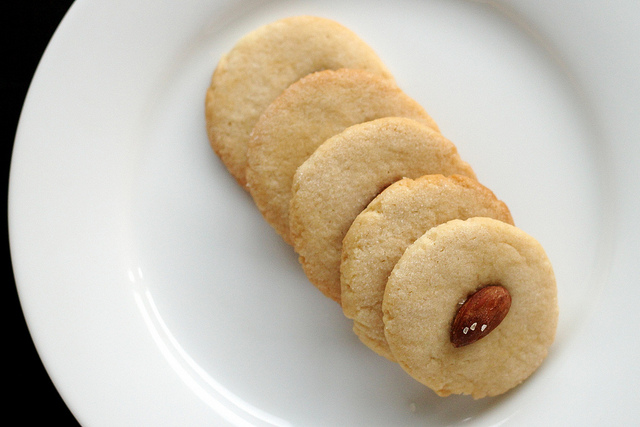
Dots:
pixel 380 234
pixel 306 114
pixel 345 173
pixel 264 63
pixel 441 269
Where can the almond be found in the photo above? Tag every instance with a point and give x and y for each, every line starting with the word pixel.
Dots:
pixel 480 314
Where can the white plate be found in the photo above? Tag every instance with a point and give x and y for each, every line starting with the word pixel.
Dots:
pixel 157 295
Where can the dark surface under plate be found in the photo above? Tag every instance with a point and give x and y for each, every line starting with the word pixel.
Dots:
pixel 27 27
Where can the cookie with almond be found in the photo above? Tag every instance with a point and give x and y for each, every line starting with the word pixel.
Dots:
pixel 381 233
pixel 471 307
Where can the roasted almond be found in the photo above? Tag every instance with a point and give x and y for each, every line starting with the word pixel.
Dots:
pixel 480 314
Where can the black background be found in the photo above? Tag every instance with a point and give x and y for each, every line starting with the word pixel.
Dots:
pixel 27 27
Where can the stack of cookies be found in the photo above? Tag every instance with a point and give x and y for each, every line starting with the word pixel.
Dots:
pixel 387 219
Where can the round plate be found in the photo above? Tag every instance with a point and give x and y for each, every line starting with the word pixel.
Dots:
pixel 157 295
